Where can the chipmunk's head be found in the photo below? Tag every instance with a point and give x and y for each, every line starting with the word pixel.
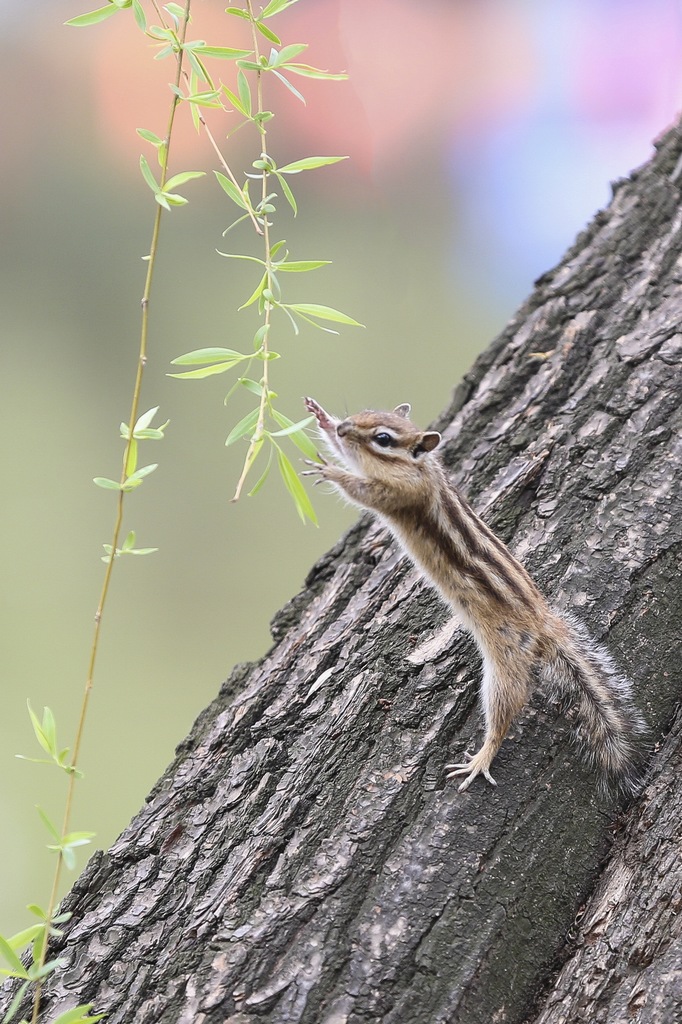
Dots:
pixel 378 444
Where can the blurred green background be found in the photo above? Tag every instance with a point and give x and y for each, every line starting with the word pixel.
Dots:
pixel 473 164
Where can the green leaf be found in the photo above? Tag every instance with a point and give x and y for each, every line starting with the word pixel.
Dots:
pixel 148 136
pixel 301 266
pixel 251 385
pixel 39 730
pixel 293 427
pixel 110 485
pixel 145 419
pixel 42 972
pixel 275 6
pixel 52 829
pixel 180 179
pixel 136 478
pixel 290 87
pixel 21 939
pixel 93 16
pixel 323 313
pixel 12 959
pixel 258 291
pixel 235 101
pixel 263 477
pixel 269 34
pixel 148 175
pixel 300 439
pixel 131 457
pixel 78 838
pixel 162 200
pixel 129 542
pixel 244 92
pixel 285 54
pixel 306 71
pixel 79 1015
pixel 309 163
pixel 235 194
pixel 208 355
pixel 289 195
pixel 244 427
pixel 50 729
pixel 295 488
pixel 239 256
pixel 238 12
pixel 206 371
pixel 176 10
pixel 171 198
pixel 222 52
pixel 140 18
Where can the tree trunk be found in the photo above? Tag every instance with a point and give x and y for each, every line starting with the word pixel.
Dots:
pixel 304 859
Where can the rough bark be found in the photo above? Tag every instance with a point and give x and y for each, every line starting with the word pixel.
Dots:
pixel 303 859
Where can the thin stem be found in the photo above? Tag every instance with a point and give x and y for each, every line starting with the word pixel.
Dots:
pixel 257 437
pixel 118 522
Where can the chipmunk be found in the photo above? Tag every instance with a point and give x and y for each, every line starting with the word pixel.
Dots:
pixel 393 469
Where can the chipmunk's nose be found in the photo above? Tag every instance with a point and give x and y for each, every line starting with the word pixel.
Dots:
pixel 343 428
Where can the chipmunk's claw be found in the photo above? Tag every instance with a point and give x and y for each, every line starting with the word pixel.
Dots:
pixel 473 765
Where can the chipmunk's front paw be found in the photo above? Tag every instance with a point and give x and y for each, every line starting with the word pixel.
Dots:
pixel 323 470
pixel 475 764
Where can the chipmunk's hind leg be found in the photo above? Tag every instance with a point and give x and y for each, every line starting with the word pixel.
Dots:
pixel 504 691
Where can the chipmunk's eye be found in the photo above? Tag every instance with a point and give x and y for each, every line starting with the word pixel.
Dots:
pixel 384 440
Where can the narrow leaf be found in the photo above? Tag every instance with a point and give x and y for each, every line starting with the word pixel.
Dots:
pixel 251 385
pixel 309 163
pixel 300 439
pixel 295 488
pixel 235 101
pixel 148 175
pixel 269 34
pixel 275 6
pixel 222 52
pixel 263 477
pixel 149 136
pixel 52 829
pixel 142 472
pixel 239 256
pixel 145 419
pixel 293 427
pixel 206 371
pixel 93 16
pixel 79 1015
pixel 244 427
pixel 11 957
pixel 289 195
pixel 301 266
pixel 180 179
pixel 110 485
pixel 258 291
pixel 287 53
pixel 21 939
pixel 306 71
pixel 244 92
pixel 323 313
pixel 38 730
pixel 140 18
pixel 235 194
pixel 131 459
pixel 208 355
pixel 290 87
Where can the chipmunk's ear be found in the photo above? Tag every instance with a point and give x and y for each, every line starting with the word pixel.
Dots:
pixel 427 442
pixel 403 410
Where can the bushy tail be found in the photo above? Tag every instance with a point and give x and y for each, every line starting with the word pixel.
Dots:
pixel 609 729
